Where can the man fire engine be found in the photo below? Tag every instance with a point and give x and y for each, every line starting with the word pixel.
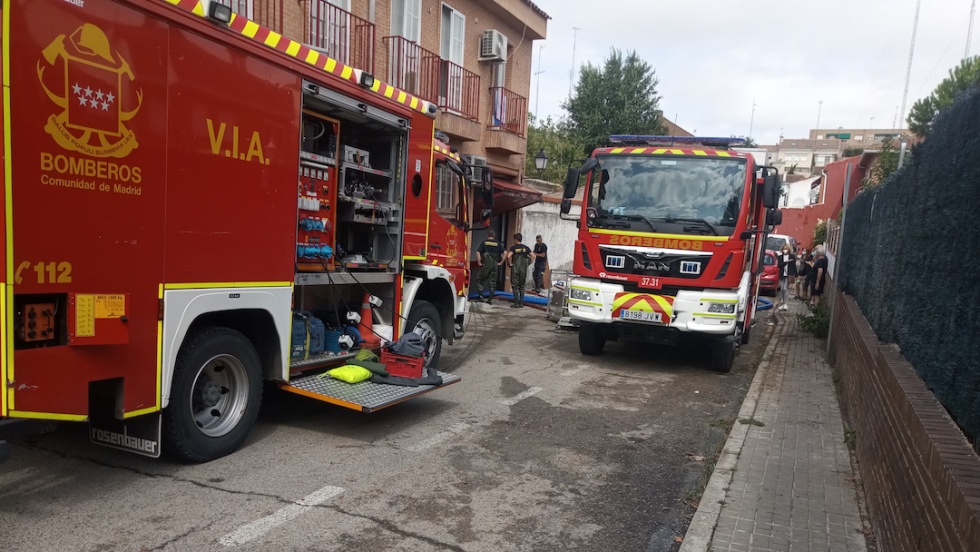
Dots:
pixel 670 236
pixel 194 204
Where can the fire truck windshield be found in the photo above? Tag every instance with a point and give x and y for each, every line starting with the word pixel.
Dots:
pixel 677 195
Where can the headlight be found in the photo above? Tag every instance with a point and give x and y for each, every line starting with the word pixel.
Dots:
pixel 721 308
pixel 581 294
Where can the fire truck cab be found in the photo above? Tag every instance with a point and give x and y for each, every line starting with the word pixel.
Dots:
pixel 670 241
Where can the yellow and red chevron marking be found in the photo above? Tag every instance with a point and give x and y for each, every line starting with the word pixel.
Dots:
pixel 276 41
pixel 447 153
pixel 645 302
pixel 670 151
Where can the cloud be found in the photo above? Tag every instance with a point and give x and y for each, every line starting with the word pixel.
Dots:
pixel 713 58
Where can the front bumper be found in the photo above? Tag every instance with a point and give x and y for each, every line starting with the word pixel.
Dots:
pixel 688 311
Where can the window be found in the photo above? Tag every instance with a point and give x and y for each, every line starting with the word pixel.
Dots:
pixel 447 191
pixel 452 35
pixel 334 28
pixel 451 49
pixel 406 19
pixel 243 8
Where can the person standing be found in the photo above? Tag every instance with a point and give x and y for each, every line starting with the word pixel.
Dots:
pixel 518 258
pixel 540 263
pixel 819 275
pixel 489 256
pixel 787 273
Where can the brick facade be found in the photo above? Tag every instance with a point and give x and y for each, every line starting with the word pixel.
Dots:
pixel 921 477
pixel 519 20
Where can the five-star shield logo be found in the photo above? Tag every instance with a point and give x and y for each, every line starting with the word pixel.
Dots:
pixel 92 120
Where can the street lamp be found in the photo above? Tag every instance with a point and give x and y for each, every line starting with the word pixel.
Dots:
pixel 541 160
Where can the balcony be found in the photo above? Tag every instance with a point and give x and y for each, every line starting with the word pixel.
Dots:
pixel 508 111
pixel 267 13
pixel 412 68
pixel 342 35
pixel 423 73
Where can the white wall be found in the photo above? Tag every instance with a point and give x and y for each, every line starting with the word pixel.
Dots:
pixel 797 193
pixel 559 235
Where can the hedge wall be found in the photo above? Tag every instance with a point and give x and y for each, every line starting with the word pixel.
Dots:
pixel 910 256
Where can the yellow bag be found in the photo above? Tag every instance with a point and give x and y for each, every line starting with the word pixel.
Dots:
pixel 350 373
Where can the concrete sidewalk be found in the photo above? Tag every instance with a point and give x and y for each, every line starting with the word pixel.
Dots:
pixel 785 485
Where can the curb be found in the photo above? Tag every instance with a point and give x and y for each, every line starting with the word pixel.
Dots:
pixel 702 528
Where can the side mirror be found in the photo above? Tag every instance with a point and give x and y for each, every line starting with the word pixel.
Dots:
pixel 591 216
pixel 566 205
pixel 571 184
pixel 774 217
pixel 770 189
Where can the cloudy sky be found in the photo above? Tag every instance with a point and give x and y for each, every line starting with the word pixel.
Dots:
pixel 713 58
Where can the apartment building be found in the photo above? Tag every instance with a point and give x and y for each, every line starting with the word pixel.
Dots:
pixel 806 157
pixel 472 58
pixel 865 138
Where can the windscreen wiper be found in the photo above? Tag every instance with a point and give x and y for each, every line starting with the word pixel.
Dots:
pixel 638 218
pixel 697 220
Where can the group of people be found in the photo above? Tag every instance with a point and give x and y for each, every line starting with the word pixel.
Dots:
pixel 805 272
pixel 492 254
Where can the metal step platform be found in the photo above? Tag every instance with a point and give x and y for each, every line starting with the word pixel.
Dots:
pixel 364 396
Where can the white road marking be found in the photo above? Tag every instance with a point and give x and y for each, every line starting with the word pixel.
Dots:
pixel 520 396
pixel 453 430
pixel 259 527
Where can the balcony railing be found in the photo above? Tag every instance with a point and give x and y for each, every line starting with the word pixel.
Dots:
pixel 418 71
pixel 508 111
pixel 342 35
pixel 267 13
pixel 459 90
pixel 412 68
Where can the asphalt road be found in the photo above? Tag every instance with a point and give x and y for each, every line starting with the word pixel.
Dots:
pixel 537 448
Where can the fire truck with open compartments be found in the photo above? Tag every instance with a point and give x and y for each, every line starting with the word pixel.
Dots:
pixel 671 236
pixel 194 204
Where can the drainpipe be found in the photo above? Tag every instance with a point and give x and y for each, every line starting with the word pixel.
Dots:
pixel 371 11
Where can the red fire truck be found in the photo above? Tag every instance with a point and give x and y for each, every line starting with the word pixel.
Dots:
pixel 194 204
pixel 670 239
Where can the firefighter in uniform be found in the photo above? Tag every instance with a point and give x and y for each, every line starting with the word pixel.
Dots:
pixel 518 258
pixel 489 256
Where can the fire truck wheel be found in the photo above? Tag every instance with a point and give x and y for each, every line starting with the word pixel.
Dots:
pixel 215 397
pixel 591 338
pixel 723 354
pixel 424 320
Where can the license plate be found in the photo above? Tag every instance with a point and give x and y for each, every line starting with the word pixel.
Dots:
pixel 649 283
pixel 640 316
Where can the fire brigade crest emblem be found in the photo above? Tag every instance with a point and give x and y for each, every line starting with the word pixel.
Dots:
pixel 94 81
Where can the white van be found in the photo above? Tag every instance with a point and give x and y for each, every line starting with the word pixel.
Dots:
pixel 775 242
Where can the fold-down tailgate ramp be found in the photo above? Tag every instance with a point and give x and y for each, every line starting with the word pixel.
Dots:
pixel 364 396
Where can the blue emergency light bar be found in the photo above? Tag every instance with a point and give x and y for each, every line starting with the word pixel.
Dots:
pixel 709 142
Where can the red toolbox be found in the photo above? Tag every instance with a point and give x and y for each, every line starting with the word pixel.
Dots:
pixel 402 365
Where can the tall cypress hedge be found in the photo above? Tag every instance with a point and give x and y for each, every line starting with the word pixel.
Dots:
pixel 911 258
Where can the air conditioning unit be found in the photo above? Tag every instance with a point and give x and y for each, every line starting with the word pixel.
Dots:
pixel 493 46
pixel 474 166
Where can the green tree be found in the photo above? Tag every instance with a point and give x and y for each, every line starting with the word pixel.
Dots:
pixel 559 143
pixel 749 143
pixel 885 164
pixel 820 232
pixel 620 97
pixel 962 77
pixel 851 152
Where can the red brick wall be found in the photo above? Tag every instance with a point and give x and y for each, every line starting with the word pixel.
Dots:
pixel 800 223
pixel 921 477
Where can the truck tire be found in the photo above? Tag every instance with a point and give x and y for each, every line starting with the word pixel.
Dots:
pixel 723 354
pixel 746 334
pixel 424 320
pixel 215 397
pixel 591 338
